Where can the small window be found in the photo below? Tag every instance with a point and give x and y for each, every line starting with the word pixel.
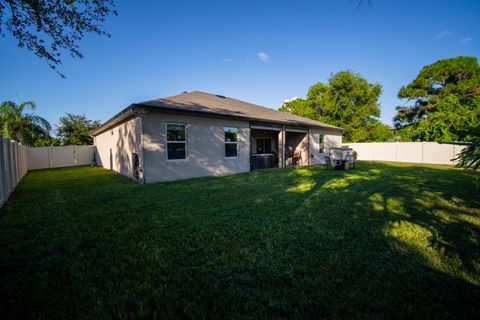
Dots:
pixel 264 146
pixel 321 143
pixel 231 142
pixel 176 141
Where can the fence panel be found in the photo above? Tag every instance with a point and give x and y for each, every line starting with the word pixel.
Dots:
pixel 59 156
pixel 63 156
pixel 413 152
pixel 84 155
pixel 410 152
pixel 438 153
pixel 3 192
pixel 385 151
pixel 13 166
pixel 38 158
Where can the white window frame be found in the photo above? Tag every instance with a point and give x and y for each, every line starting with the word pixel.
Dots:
pixel 184 142
pixel 229 142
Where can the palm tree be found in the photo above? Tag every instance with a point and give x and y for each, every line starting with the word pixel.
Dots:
pixel 19 125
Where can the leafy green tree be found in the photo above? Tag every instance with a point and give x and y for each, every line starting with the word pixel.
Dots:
pixel 76 129
pixel 349 101
pixel 19 125
pixel 445 96
pixel 50 27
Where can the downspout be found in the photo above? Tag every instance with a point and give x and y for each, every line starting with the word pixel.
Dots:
pixel 141 114
pixel 309 154
pixel 142 150
pixel 283 146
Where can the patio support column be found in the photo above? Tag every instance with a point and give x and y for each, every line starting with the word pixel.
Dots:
pixel 282 144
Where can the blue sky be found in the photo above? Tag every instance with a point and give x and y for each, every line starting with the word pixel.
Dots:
pixel 259 51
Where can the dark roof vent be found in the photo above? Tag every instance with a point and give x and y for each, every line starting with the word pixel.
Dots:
pixel 220 96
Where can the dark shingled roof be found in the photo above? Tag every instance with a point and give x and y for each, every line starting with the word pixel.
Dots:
pixel 217 105
pixel 202 102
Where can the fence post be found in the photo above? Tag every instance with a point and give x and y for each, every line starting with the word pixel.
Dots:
pixel 2 173
pixel 6 182
pixel 17 162
pixel 453 153
pixel 75 155
pixel 9 167
pixel 25 163
pixel 396 151
pixel 373 152
pixel 50 157
pixel 423 150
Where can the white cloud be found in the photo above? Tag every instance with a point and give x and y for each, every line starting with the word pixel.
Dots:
pixel 289 100
pixel 227 59
pixel 263 56
pixel 444 33
pixel 466 40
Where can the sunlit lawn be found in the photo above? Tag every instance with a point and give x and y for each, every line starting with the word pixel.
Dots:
pixel 381 241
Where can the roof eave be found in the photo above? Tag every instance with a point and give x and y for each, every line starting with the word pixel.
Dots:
pixel 128 111
pixel 122 115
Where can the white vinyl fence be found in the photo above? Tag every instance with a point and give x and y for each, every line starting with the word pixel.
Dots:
pixel 413 152
pixel 57 157
pixel 17 159
pixel 13 166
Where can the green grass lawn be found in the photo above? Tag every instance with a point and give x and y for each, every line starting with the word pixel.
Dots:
pixel 381 241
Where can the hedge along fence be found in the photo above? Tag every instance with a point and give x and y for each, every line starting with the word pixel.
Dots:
pixel 412 152
pixel 61 156
pixel 13 166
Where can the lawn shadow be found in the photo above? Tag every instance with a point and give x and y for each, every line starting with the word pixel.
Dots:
pixel 427 226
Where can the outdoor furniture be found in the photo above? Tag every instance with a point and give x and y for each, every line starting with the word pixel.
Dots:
pixel 341 158
pixel 328 162
pixel 262 161
pixel 351 159
pixel 341 164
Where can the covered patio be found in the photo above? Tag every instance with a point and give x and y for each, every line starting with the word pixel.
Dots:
pixel 277 146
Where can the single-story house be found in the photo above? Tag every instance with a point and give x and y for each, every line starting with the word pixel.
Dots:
pixel 197 134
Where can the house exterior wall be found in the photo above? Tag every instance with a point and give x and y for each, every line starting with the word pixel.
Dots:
pixel 115 146
pixel 205 147
pixel 331 139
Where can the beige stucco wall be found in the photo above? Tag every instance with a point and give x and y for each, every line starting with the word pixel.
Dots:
pixel 205 148
pixel 115 146
pixel 332 139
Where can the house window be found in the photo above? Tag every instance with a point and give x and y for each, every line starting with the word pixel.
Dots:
pixel 321 144
pixel 264 145
pixel 176 141
pixel 231 142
